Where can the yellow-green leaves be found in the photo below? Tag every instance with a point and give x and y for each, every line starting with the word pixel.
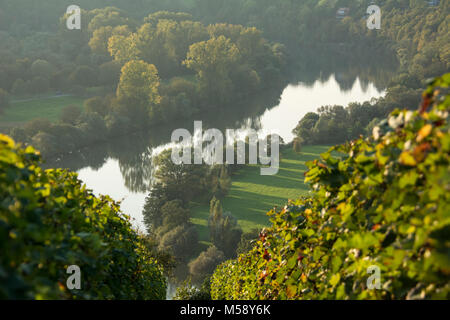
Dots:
pixel 48 221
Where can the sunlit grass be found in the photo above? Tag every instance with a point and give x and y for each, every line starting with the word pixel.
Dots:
pixel 253 195
pixel 45 108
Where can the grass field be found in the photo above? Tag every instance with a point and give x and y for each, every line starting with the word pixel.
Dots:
pixel 49 108
pixel 252 195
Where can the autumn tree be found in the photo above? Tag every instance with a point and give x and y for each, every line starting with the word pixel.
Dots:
pixel 123 48
pixel 100 37
pixel 213 61
pixel 137 92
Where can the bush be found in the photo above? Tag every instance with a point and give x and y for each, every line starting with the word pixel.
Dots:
pixel 297 145
pixel 179 242
pixel 248 239
pixel 70 114
pixel 96 105
pixel 189 292
pixel 49 221
pixel 93 127
pixel 205 264
pixel 385 204
pixel 32 127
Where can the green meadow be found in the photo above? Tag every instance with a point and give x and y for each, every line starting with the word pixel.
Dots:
pixel 21 111
pixel 253 195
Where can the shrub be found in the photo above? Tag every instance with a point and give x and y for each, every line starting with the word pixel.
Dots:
pixel 96 105
pixel 297 145
pixel 189 292
pixel 70 114
pixel 385 203
pixel 205 264
pixel 179 241
pixel 34 126
pixel 247 241
pixel 49 221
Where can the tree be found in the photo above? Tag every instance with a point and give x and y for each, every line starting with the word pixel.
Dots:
pixel 41 68
pixel 152 207
pixel 189 292
pixel 39 85
pixel 181 242
pixel 205 264
pixel 225 232
pixel 46 143
pixel 166 43
pixel 70 114
pixel 109 16
pixel 84 76
pixel 122 48
pixel 138 91
pixel 96 105
pixel 213 60
pixel 19 87
pixel 182 181
pixel 153 18
pixel 100 37
pixel 173 214
pixel 34 126
pixel 297 145
pixel 109 73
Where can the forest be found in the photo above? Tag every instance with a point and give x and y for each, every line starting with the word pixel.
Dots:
pixel 361 184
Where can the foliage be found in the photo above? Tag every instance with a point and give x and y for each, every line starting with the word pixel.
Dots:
pixel 384 203
pixel 49 221
pixel 189 292
pixel 138 90
pixel 96 105
pixel 248 239
pixel 297 145
pixel 180 241
pixel 70 114
pixel 204 265
pixel 224 230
